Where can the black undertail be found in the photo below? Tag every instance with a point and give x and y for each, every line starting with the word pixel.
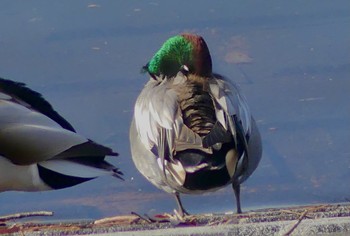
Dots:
pixel 213 175
pixel 205 171
pixel 57 181
pixel 206 180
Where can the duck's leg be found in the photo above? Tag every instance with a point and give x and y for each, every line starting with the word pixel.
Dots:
pixel 182 210
pixel 237 190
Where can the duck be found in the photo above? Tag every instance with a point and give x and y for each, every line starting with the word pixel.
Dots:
pixel 192 131
pixel 39 149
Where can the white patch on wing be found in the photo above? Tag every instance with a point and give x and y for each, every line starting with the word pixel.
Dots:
pixel 220 105
pixel 230 101
pixel 156 108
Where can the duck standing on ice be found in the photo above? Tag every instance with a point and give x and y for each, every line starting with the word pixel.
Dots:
pixel 192 130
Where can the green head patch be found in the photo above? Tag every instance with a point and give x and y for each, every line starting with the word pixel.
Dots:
pixel 186 49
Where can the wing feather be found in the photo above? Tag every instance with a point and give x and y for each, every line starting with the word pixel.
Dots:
pixel 28 136
pixel 231 102
pixel 232 111
pixel 155 111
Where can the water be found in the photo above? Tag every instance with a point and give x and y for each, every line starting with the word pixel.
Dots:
pixel 291 59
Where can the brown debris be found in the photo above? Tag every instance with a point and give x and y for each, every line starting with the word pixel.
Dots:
pixel 133 222
pixel 25 214
pixel 128 219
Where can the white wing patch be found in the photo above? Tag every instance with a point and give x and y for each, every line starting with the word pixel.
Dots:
pixel 232 105
pixel 156 109
pixel 228 102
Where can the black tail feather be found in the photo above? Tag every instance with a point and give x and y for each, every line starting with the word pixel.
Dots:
pixel 57 180
pixel 89 149
pixel 20 92
pixel 216 135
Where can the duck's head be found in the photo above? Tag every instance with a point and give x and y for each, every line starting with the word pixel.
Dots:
pixel 182 52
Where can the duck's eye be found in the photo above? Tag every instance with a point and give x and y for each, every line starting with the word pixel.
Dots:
pixel 185 68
